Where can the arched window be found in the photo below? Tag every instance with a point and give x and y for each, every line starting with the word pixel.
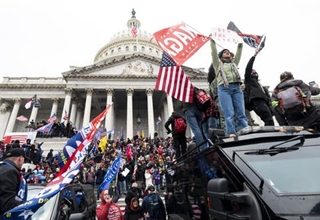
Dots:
pixel 142 49
pixel 127 48
pixel 112 51
pixel 150 50
pixel 134 48
pixel 119 49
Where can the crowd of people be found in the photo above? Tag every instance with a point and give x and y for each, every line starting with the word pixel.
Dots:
pixel 147 165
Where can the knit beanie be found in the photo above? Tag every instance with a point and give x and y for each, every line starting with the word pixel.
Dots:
pixel 221 52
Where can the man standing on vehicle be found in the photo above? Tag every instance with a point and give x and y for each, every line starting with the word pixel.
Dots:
pixel 178 131
pixel 13 187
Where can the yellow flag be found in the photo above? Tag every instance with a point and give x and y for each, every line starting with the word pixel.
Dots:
pixel 142 134
pixel 103 143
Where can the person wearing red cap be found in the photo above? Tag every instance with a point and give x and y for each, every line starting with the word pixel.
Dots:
pixel 13 187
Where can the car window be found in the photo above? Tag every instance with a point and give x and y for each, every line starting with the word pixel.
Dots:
pixel 66 205
pixel 80 199
pixel 46 210
pixel 289 172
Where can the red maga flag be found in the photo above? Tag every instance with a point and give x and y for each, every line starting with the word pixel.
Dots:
pixel 173 80
pixel 180 42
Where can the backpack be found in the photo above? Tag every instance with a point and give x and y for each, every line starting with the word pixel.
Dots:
pixel 293 102
pixel 180 204
pixel 202 99
pixel 180 125
pixel 154 206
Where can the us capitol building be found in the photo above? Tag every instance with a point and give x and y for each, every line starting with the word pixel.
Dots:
pixel 123 72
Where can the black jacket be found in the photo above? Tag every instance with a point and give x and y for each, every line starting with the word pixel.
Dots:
pixel 253 88
pixel 9 185
pixel 170 121
pixel 133 215
pixel 313 119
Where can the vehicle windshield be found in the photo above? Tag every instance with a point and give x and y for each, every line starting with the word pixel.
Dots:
pixel 45 211
pixel 289 172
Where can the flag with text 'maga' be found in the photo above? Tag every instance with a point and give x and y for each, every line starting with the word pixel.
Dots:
pixel 65 176
pixel 173 80
pixel 180 42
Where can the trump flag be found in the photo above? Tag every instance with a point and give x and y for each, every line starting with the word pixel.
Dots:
pixel 65 176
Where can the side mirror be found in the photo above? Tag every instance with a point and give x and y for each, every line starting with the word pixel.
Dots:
pixel 77 216
pixel 222 202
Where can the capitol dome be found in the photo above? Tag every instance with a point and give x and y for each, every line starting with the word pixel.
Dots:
pixel 125 43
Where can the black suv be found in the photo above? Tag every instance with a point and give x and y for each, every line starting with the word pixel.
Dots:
pixel 74 202
pixel 265 173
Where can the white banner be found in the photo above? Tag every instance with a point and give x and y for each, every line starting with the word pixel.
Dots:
pixel 225 35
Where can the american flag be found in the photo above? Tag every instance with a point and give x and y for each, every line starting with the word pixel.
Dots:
pixel 53 118
pixel 255 41
pixel 46 128
pixel 22 118
pixel 65 117
pixel 173 80
pixel 134 30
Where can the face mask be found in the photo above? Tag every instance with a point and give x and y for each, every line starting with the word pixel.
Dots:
pixel 255 75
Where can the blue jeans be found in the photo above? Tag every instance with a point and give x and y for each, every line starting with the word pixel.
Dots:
pixel 194 118
pixel 232 106
pixel 122 187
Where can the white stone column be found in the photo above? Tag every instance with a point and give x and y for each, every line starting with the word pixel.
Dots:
pixel 4 117
pixel 129 114
pixel 66 105
pixel 33 115
pixel 73 113
pixel 151 121
pixel 54 108
pixel 87 109
pixel 14 114
pixel 109 120
pixel 79 118
pixel 170 105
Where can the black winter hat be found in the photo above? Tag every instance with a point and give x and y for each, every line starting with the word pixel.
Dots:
pixel 17 152
pixel 221 52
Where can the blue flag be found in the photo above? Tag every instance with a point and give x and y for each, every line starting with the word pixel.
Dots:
pixel 112 172
pixel 66 175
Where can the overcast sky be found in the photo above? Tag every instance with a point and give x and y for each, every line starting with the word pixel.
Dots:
pixel 45 38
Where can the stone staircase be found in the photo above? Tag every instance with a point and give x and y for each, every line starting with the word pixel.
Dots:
pixel 56 144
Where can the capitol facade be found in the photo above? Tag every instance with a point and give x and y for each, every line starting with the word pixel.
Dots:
pixel 123 73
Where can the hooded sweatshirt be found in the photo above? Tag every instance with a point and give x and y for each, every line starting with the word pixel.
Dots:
pixel 108 211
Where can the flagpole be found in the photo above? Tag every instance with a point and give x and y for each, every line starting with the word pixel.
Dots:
pixel 137 42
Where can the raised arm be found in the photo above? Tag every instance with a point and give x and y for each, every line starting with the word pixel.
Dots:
pixel 249 66
pixel 238 54
pixel 214 55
